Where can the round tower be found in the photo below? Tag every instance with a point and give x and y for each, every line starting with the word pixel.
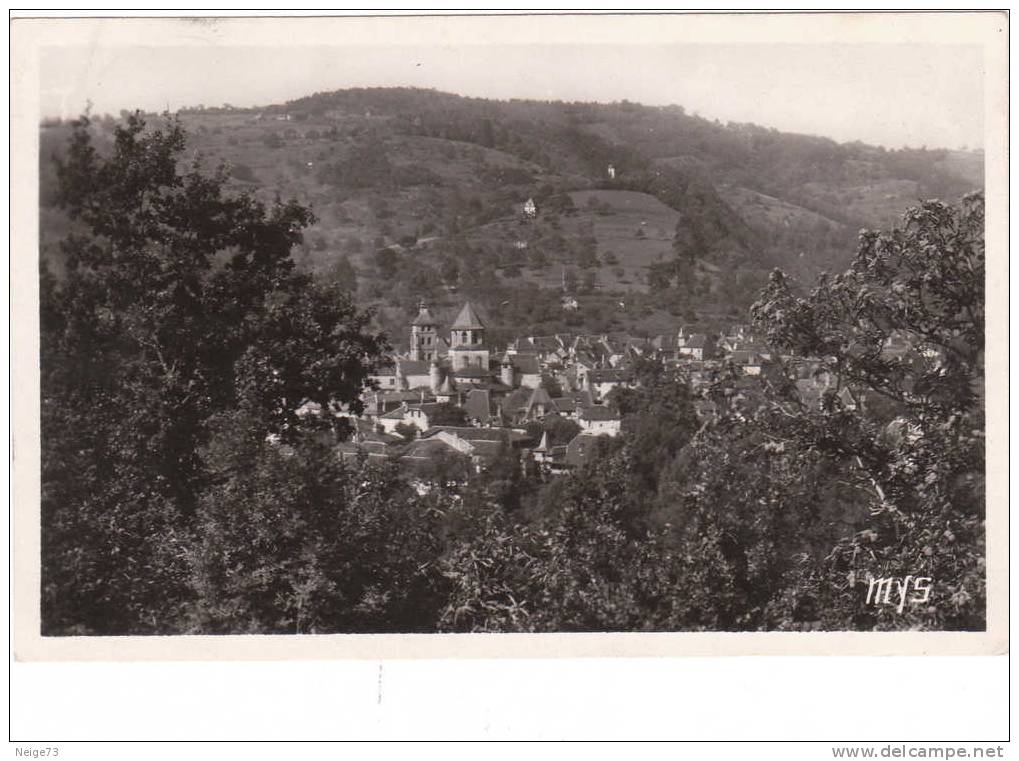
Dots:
pixel 506 372
pixel 434 376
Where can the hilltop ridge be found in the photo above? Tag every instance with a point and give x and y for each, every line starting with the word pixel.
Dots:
pixel 645 214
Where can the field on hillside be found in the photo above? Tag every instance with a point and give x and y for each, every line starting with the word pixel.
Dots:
pixel 634 229
pixel 404 187
pixel 881 201
pixel 764 210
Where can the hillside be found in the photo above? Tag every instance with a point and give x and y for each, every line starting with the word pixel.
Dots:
pixel 418 195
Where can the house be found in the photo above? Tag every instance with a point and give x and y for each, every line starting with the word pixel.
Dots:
pixel 372 450
pixel 599 420
pixel 433 460
pixel 749 362
pixel 548 458
pixel 543 452
pixel 683 334
pixel 472 376
pixel 546 348
pixel 378 403
pixel 530 209
pixel 417 374
pixel 667 346
pixel 526 370
pixel 515 403
pixel 417 415
pixel 482 445
pixel 390 420
pixel 448 392
pixel 420 415
pixel 614 350
pixel 384 378
pixel 697 346
pixel 601 382
pixel 539 404
pixel 569 304
pixel 478 406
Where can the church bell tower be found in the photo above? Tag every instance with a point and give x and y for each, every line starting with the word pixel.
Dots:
pixel 423 335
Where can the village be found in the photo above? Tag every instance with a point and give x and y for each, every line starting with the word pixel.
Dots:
pixel 453 398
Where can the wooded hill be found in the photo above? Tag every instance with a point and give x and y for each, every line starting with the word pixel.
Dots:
pixel 418 194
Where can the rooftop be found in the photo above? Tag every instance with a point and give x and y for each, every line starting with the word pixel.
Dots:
pixel 468 319
pixel 424 317
pixel 598 412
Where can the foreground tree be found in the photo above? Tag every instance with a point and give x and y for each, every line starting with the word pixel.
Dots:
pixel 292 541
pixel 179 302
pixel 777 514
pixel 901 334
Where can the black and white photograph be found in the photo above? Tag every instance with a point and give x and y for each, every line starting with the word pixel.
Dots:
pixel 412 334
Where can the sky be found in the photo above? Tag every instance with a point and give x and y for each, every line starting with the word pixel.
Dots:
pixel 889 94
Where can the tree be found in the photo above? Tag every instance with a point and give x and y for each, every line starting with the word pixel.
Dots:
pixel 291 540
pixel 922 476
pixel 560 430
pixel 179 302
pixel 343 273
pixel 449 270
pixel 387 262
pixel 409 431
pixel 659 277
pixel 658 421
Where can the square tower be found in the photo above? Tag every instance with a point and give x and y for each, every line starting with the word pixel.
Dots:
pixel 423 336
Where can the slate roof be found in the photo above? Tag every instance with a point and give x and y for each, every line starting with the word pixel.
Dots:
pixel 468 319
pixel 399 396
pixel 414 366
pixel 540 396
pixel 525 363
pixel 697 341
pixel 478 404
pixel 472 372
pixel 598 412
pixel 428 408
pixel 517 399
pixel 581 397
pixel 545 343
pixel 468 433
pixel 665 342
pixel 608 376
pixel 565 404
pixel 369 447
pixel 424 317
pixel 426 449
pixel 447 386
